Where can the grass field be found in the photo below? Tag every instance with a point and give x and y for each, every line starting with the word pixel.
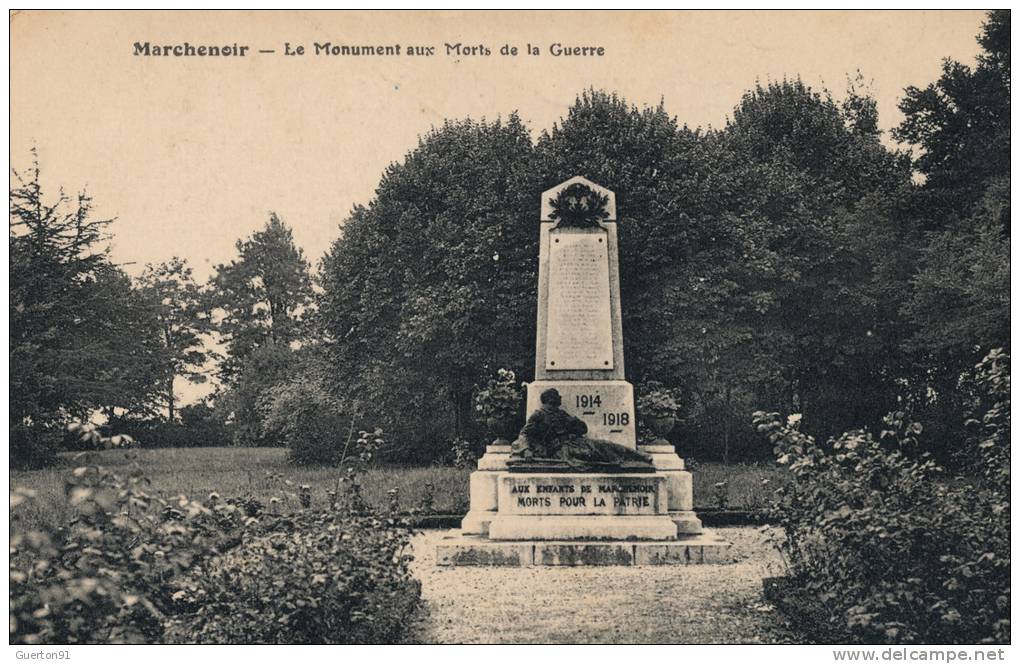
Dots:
pixel 260 472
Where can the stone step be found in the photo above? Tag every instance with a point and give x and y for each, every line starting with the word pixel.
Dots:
pixel 462 550
pixel 557 528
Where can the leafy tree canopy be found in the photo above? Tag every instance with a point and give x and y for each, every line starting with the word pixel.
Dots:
pixel 961 124
pixel 432 285
pixel 262 296
pixel 80 335
pixel 178 306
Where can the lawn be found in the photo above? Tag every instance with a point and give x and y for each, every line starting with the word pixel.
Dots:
pixel 263 472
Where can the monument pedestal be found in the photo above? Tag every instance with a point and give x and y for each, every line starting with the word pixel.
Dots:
pixel 484 490
pixel 680 486
pixel 523 519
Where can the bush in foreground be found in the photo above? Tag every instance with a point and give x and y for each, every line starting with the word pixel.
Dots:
pixel 131 567
pixel 895 548
pixel 311 577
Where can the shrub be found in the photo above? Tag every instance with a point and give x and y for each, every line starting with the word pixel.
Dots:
pixel 247 398
pixel 500 398
pixel 204 425
pixel 895 548
pixel 165 434
pixel 110 575
pixel 89 436
pixel 462 453
pixel 657 401
pixel 200 426
pixel 312 577
pixel 309 421
pixel 32 447
pixel 130 567
pixel 987 422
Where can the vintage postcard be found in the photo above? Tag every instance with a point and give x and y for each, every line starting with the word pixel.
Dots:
pixel 510 327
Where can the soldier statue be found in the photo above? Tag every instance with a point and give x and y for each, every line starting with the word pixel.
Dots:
pixel 556 440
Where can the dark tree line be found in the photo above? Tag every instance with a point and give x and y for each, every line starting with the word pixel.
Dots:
pixel 789 259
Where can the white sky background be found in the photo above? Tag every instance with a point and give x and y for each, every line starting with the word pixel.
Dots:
pixel 191 154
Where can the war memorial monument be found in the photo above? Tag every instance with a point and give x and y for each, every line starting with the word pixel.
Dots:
pixel 576 488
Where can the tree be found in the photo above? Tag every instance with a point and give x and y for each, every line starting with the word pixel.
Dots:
pixel 745 263
pixel 666 192
pixel 79 333
pixel 959 305
pixel 262 297
pixel 824 202
pixel 178 307
pixel 739 247
pixel 431 287
pixel 245 404
pixel 122 363
pixel 958 298
pixel 961 124
pixel 961 289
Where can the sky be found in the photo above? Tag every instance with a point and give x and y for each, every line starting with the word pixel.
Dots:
pixel 191 154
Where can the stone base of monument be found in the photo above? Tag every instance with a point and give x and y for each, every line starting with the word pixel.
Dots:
pixel 600 527
pixel 458 549
pixel 520 519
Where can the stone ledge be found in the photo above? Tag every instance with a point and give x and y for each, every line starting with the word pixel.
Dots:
pixel 665 462
pixel 656 448
pixel 476 522
pixel 495 458
pixel 578 554
pixel 463 550
pixel 687 523
pixel 515 527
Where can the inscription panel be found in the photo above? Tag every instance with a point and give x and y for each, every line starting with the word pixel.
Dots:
pixel 579 333
pixel 572 494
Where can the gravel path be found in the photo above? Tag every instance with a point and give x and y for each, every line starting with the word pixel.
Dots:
pixel 693 604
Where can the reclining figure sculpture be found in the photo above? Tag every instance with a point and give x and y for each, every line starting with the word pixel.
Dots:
pixel 554 440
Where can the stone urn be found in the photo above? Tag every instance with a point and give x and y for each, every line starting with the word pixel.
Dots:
pixel 503 429
pixel 661 426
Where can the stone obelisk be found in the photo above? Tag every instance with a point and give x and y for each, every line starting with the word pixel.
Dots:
pixel 540 515
pixel 579 347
